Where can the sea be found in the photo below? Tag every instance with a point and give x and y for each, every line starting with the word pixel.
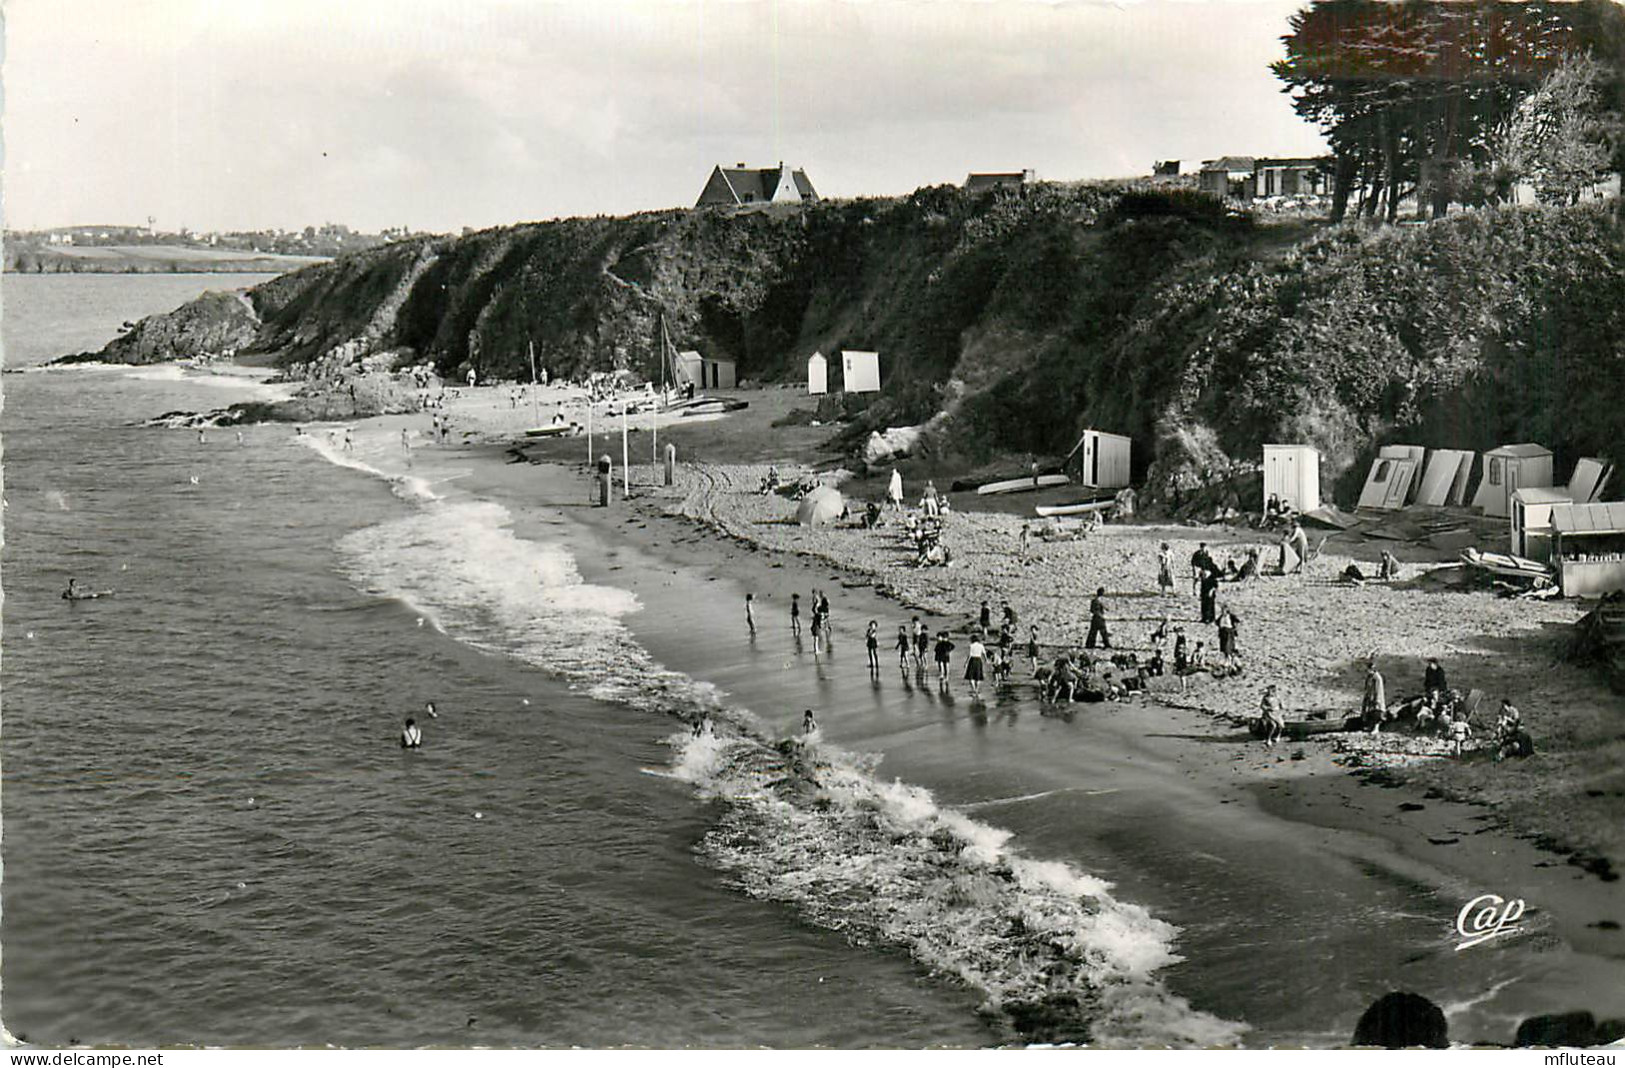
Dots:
pixel 212 836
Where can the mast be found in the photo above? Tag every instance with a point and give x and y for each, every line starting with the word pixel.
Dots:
pixel 535 412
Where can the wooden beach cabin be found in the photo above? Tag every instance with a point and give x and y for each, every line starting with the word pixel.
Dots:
pixel 1393 472
pixel 817 374
pixel 1531 520
pixel 1100 460
pixel 717 374
pixel 1292 473
pixel 1509 469
pixel 1588 548
pixel 860 371
pixel 688 369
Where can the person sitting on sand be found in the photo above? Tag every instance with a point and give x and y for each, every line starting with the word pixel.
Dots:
pixel 1199 657
pixel 1249 567
pixel 1062 680
pixel 1389 568
pixel 411 734
pixel 1272 716
pixel 1155 666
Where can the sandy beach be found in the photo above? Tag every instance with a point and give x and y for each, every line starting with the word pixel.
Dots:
pixel 1541 829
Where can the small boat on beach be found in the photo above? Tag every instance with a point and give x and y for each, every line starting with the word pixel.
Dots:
pixel 1028 482
pixel 1076 508
pixel 549 431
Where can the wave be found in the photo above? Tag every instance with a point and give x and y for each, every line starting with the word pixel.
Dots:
pixel 408 487
pixel 1055 956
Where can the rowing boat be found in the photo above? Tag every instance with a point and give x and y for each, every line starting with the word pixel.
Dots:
pixel 1016 485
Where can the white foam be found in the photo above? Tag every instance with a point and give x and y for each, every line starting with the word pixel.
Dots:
pixel 410 487
pixel 805 823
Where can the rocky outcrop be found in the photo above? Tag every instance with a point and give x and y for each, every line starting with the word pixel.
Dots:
pixel 214 325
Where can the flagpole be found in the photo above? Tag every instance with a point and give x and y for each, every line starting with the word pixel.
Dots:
pixel 626 467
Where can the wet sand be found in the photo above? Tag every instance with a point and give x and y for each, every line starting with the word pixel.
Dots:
pixel 1304 892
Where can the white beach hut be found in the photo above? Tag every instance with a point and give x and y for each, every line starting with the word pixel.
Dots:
pixel 1531 520
pixel 817 374
pixel 1509 469
pixel 1589 548
pixel 1101 460
pixel 1292 473
pixel 860 371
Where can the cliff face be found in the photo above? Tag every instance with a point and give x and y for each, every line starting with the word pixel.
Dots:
pixel 1026 318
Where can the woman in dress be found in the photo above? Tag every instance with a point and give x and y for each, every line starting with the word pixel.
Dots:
pixel 975 664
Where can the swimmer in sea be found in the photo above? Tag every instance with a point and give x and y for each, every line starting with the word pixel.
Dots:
pixel 808 724
pixel 429 708
pixel 411 734
pixel 74 593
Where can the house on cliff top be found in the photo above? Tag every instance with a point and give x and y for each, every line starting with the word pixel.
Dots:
pixel 979 182
pixel 740 186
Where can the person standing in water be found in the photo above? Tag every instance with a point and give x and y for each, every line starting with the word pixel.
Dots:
pixel 817 622
pixel 808 724
pixel 944 651
pixel 795 614
pixel 201 438
pixel 349 442
pixel 1032 649
pixel 922 643
pixel 975 664
pixel 871 638
pixel 904 644
pixel 750 613
pixel 411 734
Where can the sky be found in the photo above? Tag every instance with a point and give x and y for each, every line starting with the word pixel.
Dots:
pixel 440 114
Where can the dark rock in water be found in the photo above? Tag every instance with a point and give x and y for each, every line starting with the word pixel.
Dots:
pixel 1610 1031
pixel 1399 1020
pixel 1558 1029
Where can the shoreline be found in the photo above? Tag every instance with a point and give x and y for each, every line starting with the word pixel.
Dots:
pixel 1409 831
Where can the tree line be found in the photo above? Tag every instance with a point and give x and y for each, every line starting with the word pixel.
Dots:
pixel 1460 101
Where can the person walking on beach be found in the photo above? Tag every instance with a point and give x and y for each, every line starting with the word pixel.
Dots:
pixel 895 490
pixel 750 613
pixel 824 614
pixel 1097 621
pixel 904 645
pixel 944 652
pixel 349 442
pixel 817 624
pixel 1165 569
pixel 1271 715
pixel 922 643
pixel 985 618
pixel 411 734
pixel 975 664
pixel 1032 648
pixel 1026 534
pixel 871 639
pixel 1227 633
pixel 795 614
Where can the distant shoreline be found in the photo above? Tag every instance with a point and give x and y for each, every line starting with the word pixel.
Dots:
pixel 148 259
